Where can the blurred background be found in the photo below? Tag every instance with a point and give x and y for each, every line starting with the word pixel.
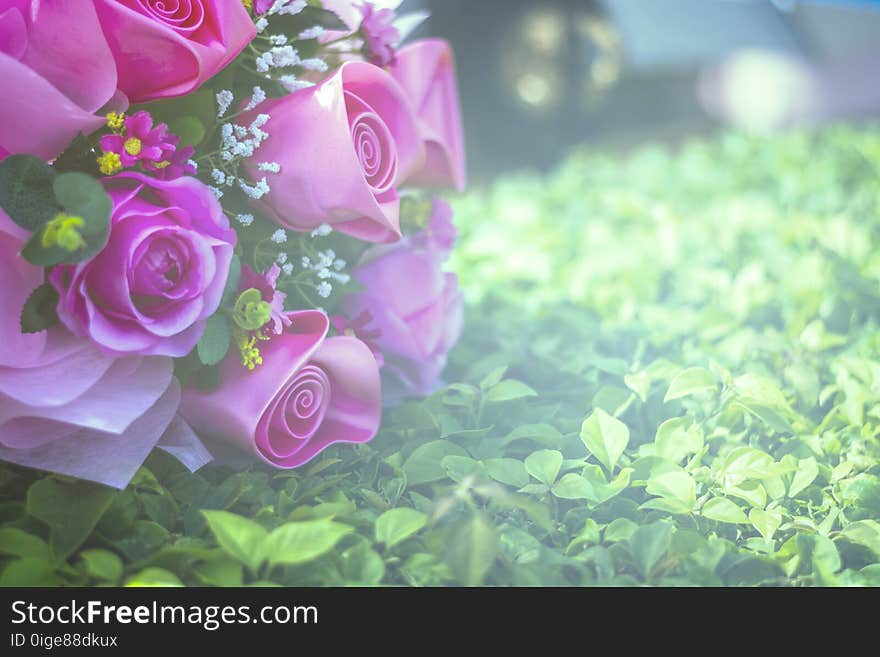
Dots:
pixel 538 76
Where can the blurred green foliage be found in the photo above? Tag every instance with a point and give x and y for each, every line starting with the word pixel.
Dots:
pixel 670 375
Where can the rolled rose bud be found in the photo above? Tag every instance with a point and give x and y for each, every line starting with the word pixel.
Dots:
pixel 416 307
pixel 151 290
pixel 166 48
pixel 426 71
pixel 67 407
pixel 308 393
pixel 342 146
pixel 58 71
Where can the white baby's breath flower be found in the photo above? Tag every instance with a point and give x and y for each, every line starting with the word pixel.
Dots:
pixel 324 289
pixel 258 97
pixel 322 231
pixel 224 100
pixel 314 64
pixel 312 33
pixel 292 83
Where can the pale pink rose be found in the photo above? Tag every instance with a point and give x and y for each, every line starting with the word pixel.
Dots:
pixel 166 48
pixel 309 393
pixel 426 71
pixel 161 275
pixel 415 308
pixel 58 71
pixel 67 407
pixel 343 146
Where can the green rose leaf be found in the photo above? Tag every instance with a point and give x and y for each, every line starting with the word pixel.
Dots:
pixel 190 129
pixel 77 233
pixel 26 191
pixel 39 311
pixel 233 279
pixel 214 343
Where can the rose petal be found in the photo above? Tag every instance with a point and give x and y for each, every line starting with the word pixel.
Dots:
pixel 109 459
pixel 426 71
pixel 102 407
pixel 37 118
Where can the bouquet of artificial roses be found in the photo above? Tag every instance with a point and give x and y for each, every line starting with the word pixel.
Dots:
pixel 211 229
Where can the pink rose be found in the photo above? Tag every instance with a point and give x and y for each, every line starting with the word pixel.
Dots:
pixel 308 394
pixel 166 48
pixel 58 71
pixel 161 275
pixel 343 146
pixel 67 407
pixel 426 71
pixel 416 307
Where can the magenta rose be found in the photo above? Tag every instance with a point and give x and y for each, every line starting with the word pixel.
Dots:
pixel 67 407
pixel 166 48
pixel 416 307
pixel 309 393
pixel 58 71
pixel 161 275
pixel 343 146
pixel 426 71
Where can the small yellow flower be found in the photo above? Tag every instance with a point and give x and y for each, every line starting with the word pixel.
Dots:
pixel 116 121
pixel 110 163
pixel 63 231
pixel 250 353
pixel 132 146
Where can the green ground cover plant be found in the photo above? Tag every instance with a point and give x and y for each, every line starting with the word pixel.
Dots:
pixel 670 375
